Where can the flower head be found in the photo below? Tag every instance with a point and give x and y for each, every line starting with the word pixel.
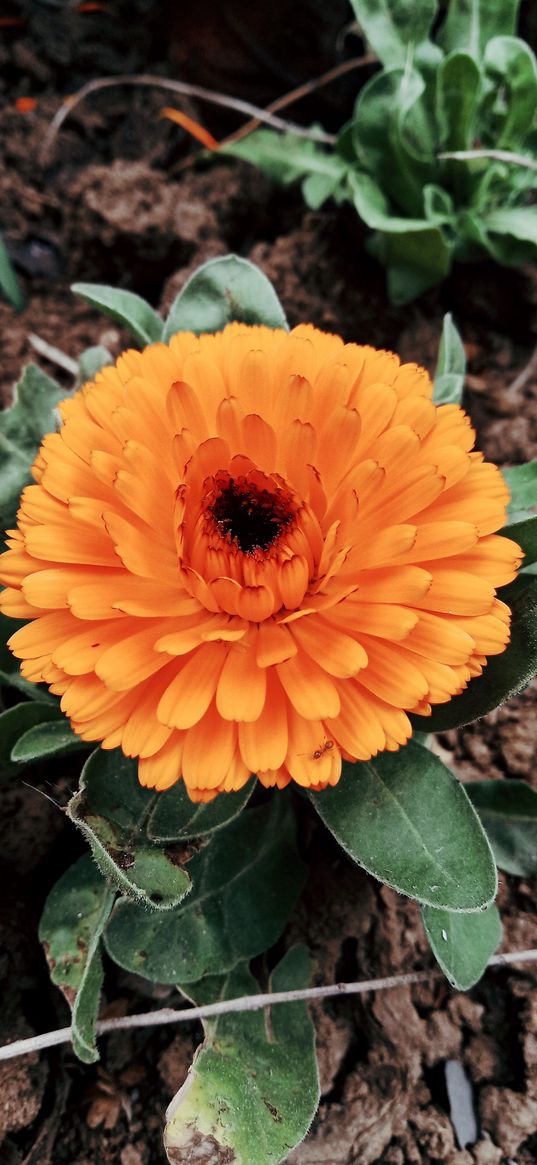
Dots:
pixel 256 551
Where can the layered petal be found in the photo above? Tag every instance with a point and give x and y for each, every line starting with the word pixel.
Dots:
pixel 256 551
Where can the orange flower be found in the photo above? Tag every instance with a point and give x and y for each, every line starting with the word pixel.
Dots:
pixel 254 552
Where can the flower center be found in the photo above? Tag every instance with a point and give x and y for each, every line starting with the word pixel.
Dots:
pixel 249 514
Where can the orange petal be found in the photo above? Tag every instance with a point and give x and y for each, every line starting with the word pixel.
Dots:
pixel 186 700
pixel 240 694
pixel 311 691
pixel 209 751
pixel 334 651
pixel 263 743
pixel 163 770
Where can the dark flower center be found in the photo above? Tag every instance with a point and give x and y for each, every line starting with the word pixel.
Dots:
pixel 248 515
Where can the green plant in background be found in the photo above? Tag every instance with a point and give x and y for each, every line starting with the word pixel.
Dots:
pixel 440 156
pixel 9 284
pixel 188 894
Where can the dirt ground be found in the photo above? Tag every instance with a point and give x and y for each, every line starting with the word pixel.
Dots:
pixel 117 200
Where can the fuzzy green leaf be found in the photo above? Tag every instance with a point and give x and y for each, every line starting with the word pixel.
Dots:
pixel 15 722
pixel 91 361
pixel 522 483
pixel 45 740
pixel 451 366
pixel 245 883
pixel 221 291
pixel 462 943
pixel 22 428
pixel 253 1089
pixel 469 24
pixel 393 28
pixel 174 817
pixel 508 811
pixel 406 819
pixel 125 307
pixel 75 913
pixel 504 674
pixel 111 808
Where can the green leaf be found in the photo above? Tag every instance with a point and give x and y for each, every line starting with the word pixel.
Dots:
pixel 9 284
pixel 508 811
pixel 469 24
pixel 253 1089
pixel 503 676
pixel 288 158
pixel 44 740
pixel 15 722
pixel 75 913
pixel 111 808
pixel 525 533
pixel 438 206
pixel 522 482
pixel 392 27
pixel 451 365
pixel 415 261
pixel 458 89
pixel 221 291
pixel 91 361
pixel 22 428
pixel 245 884
pixel 393 138
pixel 511 69
pixel 414 251
pixel 407 820
pixel 519 222
pixel 174 817
pixel 462 943
pixel 317 188
pixel 125 307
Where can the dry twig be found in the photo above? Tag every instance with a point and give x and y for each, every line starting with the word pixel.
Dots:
pixel 185 90
pixel 247 1003
pixel 494 155
pixel 54 355
pixel 301 91
pixel 526 374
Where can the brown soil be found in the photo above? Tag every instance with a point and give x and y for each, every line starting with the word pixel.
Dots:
pixel 113 203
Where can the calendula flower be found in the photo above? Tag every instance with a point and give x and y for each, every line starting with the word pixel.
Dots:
pixel 256 551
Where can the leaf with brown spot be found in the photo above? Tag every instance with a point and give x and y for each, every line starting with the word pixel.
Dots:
pixel 247 1098
pixel 70 930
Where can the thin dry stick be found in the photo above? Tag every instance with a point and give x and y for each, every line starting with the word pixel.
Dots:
pixel 186 90
pixel 55 355
pixel 495 155
pixel 301 91
pixel 246 1003
pixel 522 379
